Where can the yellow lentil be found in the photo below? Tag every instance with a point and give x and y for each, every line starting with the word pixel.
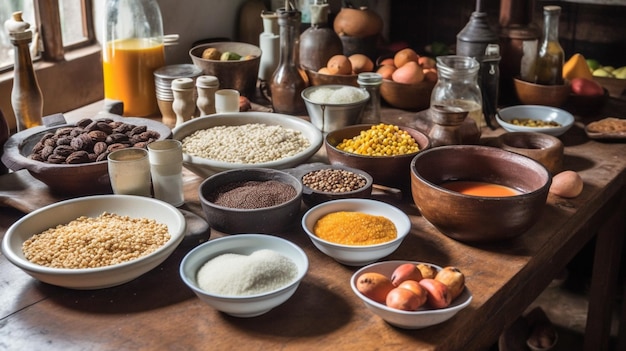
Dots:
pixel 529 122
pixel 88 242
pixel 355 228
pixel 381 140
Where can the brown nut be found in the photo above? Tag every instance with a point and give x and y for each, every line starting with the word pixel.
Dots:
pixel 64 150
pixel 116 146
pixel 98 135
pixel 100 147
pixel 104 127
pixel 47 151
pixel 116 138
pixel 56 159
pixel 78 157
pixel 84 122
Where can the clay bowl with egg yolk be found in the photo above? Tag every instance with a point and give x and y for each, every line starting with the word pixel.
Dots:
pixel 476 218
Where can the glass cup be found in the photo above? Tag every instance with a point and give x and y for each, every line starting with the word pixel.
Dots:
pixel 226 100
pixel 129 171
pixel 166 167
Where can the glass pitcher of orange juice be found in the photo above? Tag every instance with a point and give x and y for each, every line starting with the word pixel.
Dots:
pixel 132 50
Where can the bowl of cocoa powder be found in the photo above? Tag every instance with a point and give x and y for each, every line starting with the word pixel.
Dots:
pixel 251 200
pixel 71 158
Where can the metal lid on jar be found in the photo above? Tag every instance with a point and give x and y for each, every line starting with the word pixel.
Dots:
pixel 369 78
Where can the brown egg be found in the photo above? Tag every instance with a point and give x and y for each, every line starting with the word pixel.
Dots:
pixel 409 73
pixel 430 74
pixel 567 184
pixel 404 56
pixel 387 61
pixel 324 70
pixel 386 71
pixel 339 64
pixel 361 63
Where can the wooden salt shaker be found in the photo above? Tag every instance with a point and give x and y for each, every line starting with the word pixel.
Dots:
pixel 206 86
pixel 184 105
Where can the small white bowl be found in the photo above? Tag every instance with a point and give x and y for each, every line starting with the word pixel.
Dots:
pixel 536 112
pixel 243 244
pixel 205 167
pixel 92 206
pixel 357 255
pixel 419 319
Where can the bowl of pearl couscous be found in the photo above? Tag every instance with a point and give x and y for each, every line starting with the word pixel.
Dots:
pixel 221 142
pixel 94 242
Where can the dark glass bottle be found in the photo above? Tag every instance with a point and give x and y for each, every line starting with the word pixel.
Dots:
pixel 289 80
pixel 550 55
pixel 319 42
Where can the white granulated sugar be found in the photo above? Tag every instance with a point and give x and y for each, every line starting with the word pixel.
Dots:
pixel 243 275
pixel 343 95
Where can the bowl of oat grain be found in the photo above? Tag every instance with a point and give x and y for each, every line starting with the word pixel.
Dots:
pixel 113 239
pixel 240 140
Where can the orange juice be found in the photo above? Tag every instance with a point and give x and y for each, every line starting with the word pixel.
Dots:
pixel 128 67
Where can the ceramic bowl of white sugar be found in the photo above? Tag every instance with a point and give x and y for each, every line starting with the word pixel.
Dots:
pixel 244 275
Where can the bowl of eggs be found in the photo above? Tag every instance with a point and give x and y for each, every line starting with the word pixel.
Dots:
pixel 370 148
pixel 145 230
pixel 356 232
pixel 244 275
pixel 535 118
pixel 433 297
pixel 221 142
pixel 458 189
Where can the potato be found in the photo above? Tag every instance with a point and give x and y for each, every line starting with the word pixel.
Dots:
pixel 403 299
pixel 406 271
pixel 211 54
pixel 454 279
pixel 567 184
pixel 374 286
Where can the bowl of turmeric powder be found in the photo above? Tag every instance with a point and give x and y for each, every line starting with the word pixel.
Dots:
pixel 356 232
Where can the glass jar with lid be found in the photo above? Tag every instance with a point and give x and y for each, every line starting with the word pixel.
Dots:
pixel 457 86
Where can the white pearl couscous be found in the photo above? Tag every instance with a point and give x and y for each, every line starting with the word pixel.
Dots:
pixel 249 143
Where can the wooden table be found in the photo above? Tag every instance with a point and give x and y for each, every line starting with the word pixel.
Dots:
pixel 158 312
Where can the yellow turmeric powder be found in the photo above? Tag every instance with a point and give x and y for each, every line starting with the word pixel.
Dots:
pixel 355 228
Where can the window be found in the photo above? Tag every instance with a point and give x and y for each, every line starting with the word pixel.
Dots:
pixel 66 24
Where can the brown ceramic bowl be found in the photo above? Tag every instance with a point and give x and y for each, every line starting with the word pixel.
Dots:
pixel 471 218
pixel 235 74
pixel 392 171
pixel 586 105
pixel 415 97
pixel 543 148
pixel 67 179
pixel 539 94
pixel 262 220
pixel 316 78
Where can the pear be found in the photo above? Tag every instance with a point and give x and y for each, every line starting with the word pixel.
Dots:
pixel 601 72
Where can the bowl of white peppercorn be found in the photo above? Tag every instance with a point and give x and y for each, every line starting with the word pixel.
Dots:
pixel 221 142
pixel 244 275
pixel 251 200
pixel 323 182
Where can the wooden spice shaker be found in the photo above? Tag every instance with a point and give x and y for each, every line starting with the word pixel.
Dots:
pixel 184 105
pixel 206 86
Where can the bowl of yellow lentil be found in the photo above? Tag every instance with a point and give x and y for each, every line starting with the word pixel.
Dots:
pixel 221 142
pixel 112 239
pixel 383 150
pixel 356 232
pixel 535 118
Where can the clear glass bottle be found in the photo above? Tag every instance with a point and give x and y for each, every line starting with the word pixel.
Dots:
pixel 457 86
pixel 132 50
pixel 26 97
pixel 289 80
pixel 550 55
pixel 371 82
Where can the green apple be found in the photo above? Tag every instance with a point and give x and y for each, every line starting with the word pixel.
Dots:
pixel 593 64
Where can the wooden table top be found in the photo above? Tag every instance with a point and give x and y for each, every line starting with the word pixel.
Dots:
pixel 157 311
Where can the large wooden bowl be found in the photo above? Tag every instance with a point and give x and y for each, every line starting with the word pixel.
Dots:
pixel 540 94
pixel 414 97
pixel 316 78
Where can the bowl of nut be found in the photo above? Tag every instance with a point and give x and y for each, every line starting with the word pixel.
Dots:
pixel 323 182
pixel 145 231
pixel 71 159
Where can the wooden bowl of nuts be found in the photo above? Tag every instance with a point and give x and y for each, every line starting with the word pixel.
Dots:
pixel 323 182
pixel 72 158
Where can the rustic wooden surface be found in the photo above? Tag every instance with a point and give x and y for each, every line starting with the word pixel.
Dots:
pixel 157 311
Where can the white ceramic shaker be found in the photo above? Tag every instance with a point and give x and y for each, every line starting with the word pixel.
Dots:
pixel 269 42
pixel 206 86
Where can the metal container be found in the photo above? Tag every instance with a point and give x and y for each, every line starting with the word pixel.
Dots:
pixel 328 117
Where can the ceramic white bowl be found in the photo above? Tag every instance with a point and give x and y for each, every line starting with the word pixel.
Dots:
pixel 353 255
pixel 244 244
pixel 92 206
pixel 536 112
pixel 422 318
pixel 205 167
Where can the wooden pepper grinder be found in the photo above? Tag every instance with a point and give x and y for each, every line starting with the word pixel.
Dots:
pixel 184 105
pixel 26 97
